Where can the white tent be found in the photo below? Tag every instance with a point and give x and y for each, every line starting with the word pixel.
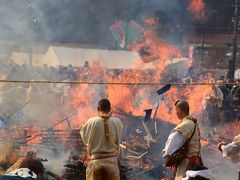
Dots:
pixel 110 59
pixel 24 58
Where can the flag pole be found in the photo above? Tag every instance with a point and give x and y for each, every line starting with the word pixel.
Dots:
pixel 154 118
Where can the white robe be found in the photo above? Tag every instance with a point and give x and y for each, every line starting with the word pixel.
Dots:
pixel 93 135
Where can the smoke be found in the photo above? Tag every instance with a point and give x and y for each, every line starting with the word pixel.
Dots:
pixel 221 168
pixel 82 21
pixel 56 158
pixel 35 105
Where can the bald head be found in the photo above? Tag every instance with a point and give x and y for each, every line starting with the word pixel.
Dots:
pixel 182 108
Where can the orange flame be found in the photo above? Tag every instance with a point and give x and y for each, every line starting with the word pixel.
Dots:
pixel 193 94
pixel 196 8
pixel 82 99
pixel 153 48
pixel 131 98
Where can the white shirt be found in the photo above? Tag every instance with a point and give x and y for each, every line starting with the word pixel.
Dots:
pixel 231 151
pixel 202 173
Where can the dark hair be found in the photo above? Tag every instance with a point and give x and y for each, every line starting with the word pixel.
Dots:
pixel 183 105
pixel 34 165
pixel 104 105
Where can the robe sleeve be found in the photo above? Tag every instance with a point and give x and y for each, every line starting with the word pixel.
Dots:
pixel 86 132
pixel 174 142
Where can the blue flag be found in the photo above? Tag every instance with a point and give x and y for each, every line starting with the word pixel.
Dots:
pixel 148 114
pixel 164 89
pixel 3 123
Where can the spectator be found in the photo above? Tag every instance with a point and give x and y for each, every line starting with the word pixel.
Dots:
pixel 29 169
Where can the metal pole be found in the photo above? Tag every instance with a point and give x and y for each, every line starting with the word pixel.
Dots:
pixel 155 114
pixel 155 120
pixel 202 49
pixel 232 61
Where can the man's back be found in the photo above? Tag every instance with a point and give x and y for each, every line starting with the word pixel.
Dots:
pixel 93 134
pixel 102 136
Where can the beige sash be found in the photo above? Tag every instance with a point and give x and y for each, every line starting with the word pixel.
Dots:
pixel 105 117
pixel 106 131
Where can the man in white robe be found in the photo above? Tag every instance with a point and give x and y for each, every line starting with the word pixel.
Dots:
pixel 102 136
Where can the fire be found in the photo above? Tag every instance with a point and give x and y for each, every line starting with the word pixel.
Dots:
pixel 151 48
pixel 134 98
pixel 154 49
pixel 130 98
pixel 166 109
pixel 196 8
pixel 195 96
pixel 82 99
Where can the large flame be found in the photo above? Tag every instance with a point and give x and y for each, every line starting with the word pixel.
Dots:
pixel 193 94
pixel 151 47
pixel 82 99
pixel 134 98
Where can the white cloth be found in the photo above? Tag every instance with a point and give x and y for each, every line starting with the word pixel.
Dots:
pixel 174 142
pixel 22 172
pixel 202 173
pixel 231 151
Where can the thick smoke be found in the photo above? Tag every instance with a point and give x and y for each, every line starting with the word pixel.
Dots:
pixel 83 21
pixel 88 21
pixel 56 159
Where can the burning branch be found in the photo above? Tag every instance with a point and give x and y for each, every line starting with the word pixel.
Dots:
pixel 51 127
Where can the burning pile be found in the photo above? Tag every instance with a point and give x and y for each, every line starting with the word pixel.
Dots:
pixel 140 148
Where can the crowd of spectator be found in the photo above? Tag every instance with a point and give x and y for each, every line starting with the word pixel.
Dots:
pixel 222 103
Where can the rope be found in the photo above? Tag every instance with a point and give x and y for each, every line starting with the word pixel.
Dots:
pixel 114 83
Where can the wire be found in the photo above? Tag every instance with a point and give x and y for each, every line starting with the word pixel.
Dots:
pixel 113 83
